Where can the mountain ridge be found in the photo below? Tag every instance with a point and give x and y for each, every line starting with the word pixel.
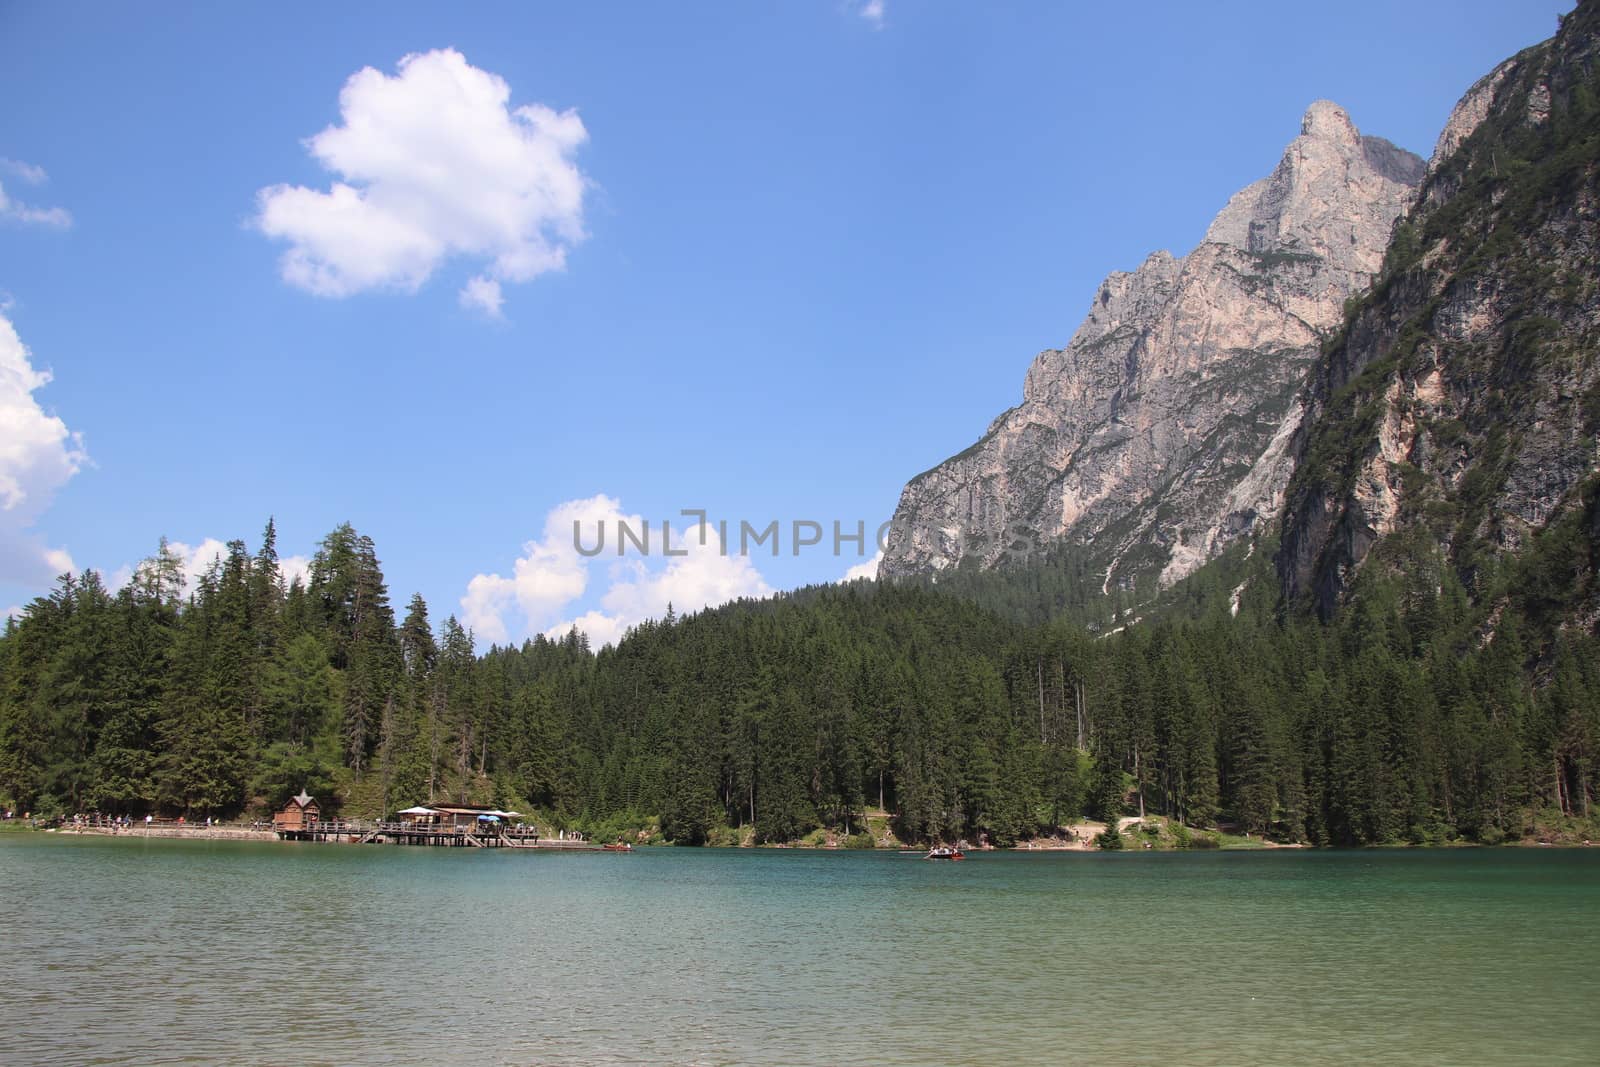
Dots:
pixel 1176 396
pixel 1460 401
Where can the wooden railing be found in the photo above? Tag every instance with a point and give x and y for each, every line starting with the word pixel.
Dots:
pixel 96 821
pixel 139 822
pixel 365 826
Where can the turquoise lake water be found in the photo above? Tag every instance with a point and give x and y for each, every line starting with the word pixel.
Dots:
pixel 126 951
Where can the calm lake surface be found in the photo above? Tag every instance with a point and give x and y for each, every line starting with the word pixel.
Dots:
pixel 132 951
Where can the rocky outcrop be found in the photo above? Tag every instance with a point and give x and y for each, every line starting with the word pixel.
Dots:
pixel 1469 113
pixel 1161 432
pixel 1461 402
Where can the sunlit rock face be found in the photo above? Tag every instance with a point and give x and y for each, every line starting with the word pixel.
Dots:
pixel 1159 434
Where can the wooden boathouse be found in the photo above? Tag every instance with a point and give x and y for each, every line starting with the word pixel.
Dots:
pixel 301 811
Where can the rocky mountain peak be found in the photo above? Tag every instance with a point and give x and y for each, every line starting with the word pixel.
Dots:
pixel 1326 121
pixel 1469 112
pixel 1330 183
pixel 1159 434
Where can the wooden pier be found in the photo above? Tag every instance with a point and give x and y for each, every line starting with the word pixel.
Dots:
pixel 398 833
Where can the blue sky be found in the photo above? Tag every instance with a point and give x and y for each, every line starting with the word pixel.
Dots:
pixel 769 260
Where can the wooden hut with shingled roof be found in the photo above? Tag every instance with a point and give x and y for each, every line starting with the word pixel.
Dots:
pixel 298 814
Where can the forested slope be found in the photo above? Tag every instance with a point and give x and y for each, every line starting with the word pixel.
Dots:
pixel 1392 724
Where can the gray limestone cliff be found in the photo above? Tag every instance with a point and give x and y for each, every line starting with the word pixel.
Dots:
pixel 1161 433
pixel 1457 412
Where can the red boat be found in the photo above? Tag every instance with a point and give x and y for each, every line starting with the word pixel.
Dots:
pixel 620 846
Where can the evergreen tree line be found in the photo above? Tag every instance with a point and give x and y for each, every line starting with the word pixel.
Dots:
pixel 1403 720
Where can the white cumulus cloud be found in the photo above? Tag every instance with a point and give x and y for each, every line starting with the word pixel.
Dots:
pixel 864 569
pixel 873 11
pixel 38 455
pixel 702 578
pixel 433 164
pixel 197 558
pixel 484 294
pixel 601 629
pixel 16 211
pixel 552 574
pixel 292 567
pixel 26 171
